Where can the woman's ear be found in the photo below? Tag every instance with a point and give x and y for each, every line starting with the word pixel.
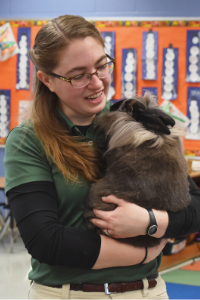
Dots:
pixel 46 79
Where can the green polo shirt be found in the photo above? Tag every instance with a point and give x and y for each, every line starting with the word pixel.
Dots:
pixel 25 161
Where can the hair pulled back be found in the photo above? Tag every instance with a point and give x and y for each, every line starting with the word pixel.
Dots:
pixel 71 158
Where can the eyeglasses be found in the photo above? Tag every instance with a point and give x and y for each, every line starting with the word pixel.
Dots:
pixel 82 80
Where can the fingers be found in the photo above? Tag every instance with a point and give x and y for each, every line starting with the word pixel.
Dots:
pixel 103 226
pixel 101 214
pixel 99 223
pixel 112 199
pixel 109 199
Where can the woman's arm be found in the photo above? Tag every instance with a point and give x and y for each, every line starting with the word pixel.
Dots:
pixel 129 219
pixel 187 221
pixel 35 208
pixel 118 254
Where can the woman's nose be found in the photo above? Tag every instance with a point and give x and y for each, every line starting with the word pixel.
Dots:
pixel 95 81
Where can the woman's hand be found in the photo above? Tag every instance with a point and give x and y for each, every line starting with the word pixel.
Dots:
pixel 127 220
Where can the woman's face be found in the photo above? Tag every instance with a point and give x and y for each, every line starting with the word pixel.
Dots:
pixel 81 105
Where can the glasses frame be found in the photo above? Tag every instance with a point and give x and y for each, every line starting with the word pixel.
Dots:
pixel 95 73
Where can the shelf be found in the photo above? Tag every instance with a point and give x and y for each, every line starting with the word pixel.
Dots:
pixel 194 174
pixel 192 157
pixel 189 252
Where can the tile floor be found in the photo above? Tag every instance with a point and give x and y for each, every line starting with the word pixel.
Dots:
pixel 14 267
pixel 184 283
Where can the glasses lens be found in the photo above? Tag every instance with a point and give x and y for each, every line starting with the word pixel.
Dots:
pixel 83 79
pixel 106 69
pixel 80 80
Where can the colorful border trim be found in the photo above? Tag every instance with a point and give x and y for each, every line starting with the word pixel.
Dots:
pixel 175 23
pixel 192 153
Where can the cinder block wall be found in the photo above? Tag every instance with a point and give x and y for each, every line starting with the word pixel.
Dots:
pixel 47 9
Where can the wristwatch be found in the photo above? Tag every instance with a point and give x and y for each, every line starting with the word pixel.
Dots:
pixel 153 226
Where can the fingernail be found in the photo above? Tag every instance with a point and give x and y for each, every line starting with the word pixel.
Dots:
pixel 103 198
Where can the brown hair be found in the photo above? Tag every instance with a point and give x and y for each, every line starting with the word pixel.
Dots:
pixel 71 158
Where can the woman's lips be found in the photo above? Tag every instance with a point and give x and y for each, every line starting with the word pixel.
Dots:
pixel 96 98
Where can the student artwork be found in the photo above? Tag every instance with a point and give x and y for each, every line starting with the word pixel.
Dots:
pixel 23 61
pixel 128 75
pixel 170 73
pixel 152 90
pixel 149 55
pixel 170 109
pixel 4 114
pixel 109 41
pixel 193 108
pixel 8 45
pixel 193 62
pixel 24 106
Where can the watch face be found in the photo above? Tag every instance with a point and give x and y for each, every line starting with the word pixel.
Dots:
pixel 152 229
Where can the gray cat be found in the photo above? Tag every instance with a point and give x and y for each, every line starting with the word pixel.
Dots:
pixel 146 164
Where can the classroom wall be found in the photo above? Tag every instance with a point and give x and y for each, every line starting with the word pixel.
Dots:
pixel 46 9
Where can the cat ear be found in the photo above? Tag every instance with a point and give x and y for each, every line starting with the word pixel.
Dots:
pixel 127 105
pixel 153 119
pixel 116 105
pixel 156 120
pixel 167 119
pixel 134 107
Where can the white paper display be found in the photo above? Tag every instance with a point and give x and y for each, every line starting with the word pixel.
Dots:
pixel 109 42
pixel 128 75
pixel 193 113
pixel 170 73
pixel 192 57
pixel 23 60
pixel 4 113
pixel 149 55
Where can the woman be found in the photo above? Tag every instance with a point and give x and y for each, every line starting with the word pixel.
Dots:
pixel 50 162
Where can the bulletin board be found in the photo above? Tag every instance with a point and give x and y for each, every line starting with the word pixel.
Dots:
pixel 128 35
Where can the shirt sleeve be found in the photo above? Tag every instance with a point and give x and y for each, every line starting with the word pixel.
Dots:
pixel 25 159
pixel 186 221
pixel 35 209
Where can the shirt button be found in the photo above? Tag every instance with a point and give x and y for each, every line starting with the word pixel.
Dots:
pixel 90 143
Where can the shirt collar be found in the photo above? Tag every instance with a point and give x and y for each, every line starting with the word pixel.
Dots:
pixel 67 121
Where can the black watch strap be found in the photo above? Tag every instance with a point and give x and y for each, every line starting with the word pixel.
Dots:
pixel 153 226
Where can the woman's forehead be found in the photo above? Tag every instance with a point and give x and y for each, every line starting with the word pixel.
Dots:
pixel 81 53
